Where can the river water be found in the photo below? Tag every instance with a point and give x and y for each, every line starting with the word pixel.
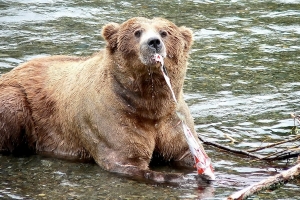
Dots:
pixel 242 81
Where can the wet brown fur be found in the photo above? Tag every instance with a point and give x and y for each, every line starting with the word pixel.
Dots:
pixel 108 107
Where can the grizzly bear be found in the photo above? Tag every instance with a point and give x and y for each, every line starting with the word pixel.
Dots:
pixel 113 107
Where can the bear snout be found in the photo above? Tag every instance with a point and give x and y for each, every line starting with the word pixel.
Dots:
pixel 149 48
pixel 155 43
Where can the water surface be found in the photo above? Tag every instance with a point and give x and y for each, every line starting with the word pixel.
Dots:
pixel 242 81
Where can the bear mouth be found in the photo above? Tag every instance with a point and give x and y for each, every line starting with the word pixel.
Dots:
pixel 150 59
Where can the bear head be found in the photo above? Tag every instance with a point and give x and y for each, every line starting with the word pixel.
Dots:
pixel 138 39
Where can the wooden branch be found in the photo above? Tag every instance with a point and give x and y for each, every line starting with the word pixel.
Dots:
pixel 237 151
pixel 275 144
pixel 275 156
pixel 291 155
pixel 296 117
pixel 230 138
pixel 285 152
pixel 270 182
pixel 282 156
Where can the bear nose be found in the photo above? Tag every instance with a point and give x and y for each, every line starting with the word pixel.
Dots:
pixel 155 43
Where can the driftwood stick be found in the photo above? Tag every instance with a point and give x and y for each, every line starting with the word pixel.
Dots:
pixel 274 156
pixel 237 151
pixel 280 156
pixel 230 138
pixel 296 117
pixel 283 156
pixel 270 182
pixel 275 144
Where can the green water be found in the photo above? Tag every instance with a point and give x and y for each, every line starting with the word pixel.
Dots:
pixel 242 81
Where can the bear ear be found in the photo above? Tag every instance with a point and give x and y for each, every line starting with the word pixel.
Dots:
pixel 110 34
pixel 187 36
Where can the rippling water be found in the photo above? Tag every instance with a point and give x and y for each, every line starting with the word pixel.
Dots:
pixel 242 81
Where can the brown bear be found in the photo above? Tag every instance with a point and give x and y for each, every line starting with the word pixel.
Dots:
pixel 113 107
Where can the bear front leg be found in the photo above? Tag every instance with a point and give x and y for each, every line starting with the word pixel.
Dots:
pixel 138 172
pixel 172 141
pixel 128 150
pixel 136 168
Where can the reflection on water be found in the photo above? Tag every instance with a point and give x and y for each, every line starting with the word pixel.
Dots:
pixel 242 81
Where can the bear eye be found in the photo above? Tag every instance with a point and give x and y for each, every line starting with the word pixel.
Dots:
pixel 163 33
pixel 138 33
